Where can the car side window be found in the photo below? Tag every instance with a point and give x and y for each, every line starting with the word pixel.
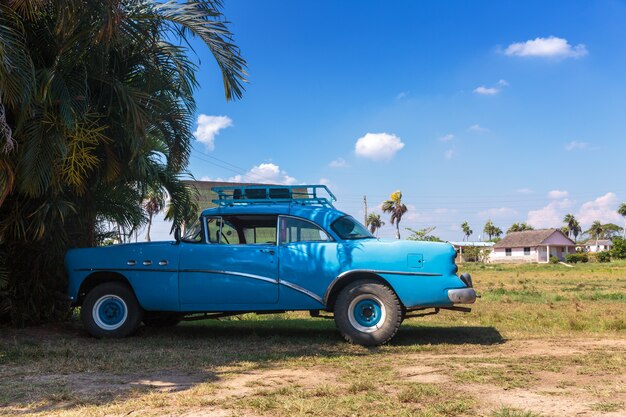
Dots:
pixel 297 230
pixel 248 230
pixel 213 229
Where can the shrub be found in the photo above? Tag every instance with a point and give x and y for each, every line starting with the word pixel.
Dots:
pixel 604 256
pixel 554 260
pixel 573 258
pixel 619 248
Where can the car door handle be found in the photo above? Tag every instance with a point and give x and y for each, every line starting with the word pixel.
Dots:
pixel 270 251
pixel 131 262
pixel 146 262
pixel 163 262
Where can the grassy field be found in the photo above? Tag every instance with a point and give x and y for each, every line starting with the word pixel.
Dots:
pixel 542 341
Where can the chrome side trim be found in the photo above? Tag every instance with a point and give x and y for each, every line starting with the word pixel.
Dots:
pixel 302 290
pixel 374 271
pixel 138 269
pixel 240 274
pixel 377 271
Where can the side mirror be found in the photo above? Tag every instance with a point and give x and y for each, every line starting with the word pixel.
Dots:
pixel 177 234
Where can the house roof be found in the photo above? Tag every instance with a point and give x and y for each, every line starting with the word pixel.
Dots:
pixel 528 238
pixel 592 242
pixel 476 244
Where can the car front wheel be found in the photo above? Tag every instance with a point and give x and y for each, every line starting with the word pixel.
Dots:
pixel 111 310
pixel 368 313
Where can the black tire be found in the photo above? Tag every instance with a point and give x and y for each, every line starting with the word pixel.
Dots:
pixel 111 310
pixel 161 319
pixel 359 326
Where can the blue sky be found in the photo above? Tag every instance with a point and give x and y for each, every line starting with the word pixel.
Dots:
pixel 514 111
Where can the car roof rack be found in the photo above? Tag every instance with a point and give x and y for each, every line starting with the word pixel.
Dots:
pixel 264 194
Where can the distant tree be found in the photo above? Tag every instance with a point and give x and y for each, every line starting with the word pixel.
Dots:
pixel 423 234
pixel 467 231
pixel 565 230
pixel 618 251
pixel 396 208
pixel 622 212
pixel 573 228
pixel 374 222
pixel 609 230
pixel 596 231
pixel 576 229
pixel 153 204
pixel 492 230
pixel 519 227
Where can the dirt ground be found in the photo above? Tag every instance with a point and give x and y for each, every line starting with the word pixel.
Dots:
pixel 520 377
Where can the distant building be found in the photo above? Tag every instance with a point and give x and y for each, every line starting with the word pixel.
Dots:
pixel 599 245
pixel 460 247
pixel 533 246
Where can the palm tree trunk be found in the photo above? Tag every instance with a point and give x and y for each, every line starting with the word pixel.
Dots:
pixel 149 225
pixel 398 230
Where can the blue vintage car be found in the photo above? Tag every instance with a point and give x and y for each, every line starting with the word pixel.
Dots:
pixel 267 249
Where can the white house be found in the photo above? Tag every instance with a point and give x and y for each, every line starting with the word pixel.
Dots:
pixel 600 245
pixel 533 246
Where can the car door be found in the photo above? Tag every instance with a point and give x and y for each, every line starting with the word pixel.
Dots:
pixel 308 263
pixel 235 268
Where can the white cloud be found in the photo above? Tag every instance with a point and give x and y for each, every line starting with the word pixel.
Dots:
pixel 546 47
pixel 378 146
pixel 477 128
pixel 449 153
pixel 491 91
pixel 603 208
pixel 557 194
pixel 525 191
pixel 447 138
pixel 402 94
pixel 209 127
pixel 339 163
pixel 550 215
pixel 497 212
pixel 266 173
pixel 576 145
pixel 486 91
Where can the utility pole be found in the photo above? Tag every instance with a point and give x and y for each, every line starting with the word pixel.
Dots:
pixel 365 210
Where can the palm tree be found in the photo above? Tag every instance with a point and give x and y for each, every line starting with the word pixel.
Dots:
pixel 396 208
pixel 519 227
pixel 622 212
pixel 467 231
pixel 153 204
pixel 96 108
pixel 595 231
pixel 570 222
pixel 374 222
pixel 575 229
pixel 489 228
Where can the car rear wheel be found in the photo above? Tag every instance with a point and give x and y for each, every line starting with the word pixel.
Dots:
pixel 111 310
pixel 368 313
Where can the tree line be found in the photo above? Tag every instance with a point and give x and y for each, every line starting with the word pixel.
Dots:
pixel 96 118
pixel 571 227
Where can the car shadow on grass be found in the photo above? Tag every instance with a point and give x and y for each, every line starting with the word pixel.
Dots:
pixel 324 332
pixel 59 367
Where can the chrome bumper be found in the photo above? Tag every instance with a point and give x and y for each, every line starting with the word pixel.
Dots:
pixel 462 296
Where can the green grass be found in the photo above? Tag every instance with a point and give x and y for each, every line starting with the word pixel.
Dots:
pixel 59 370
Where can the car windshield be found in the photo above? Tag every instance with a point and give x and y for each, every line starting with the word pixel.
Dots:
pixel 348 228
